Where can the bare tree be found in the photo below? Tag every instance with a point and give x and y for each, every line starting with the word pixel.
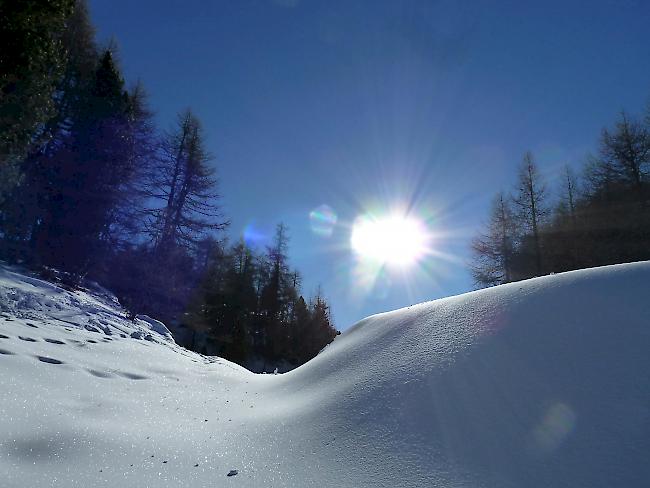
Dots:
pixel 493 251
pixel 530 203
pixel 626 150
pixel 569 194
pixel 185 184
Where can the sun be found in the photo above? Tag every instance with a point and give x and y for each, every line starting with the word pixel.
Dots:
pixel 394 240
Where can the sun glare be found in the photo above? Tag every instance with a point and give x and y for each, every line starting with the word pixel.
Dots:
pixel 394 240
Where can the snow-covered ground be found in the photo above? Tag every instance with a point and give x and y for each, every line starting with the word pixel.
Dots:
pixel 534 384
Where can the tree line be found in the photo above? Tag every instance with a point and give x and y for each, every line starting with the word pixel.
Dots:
pixel 598 217
pixel 91 189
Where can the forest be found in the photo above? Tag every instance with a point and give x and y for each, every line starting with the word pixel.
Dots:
pixel 598 217
pixel 91 189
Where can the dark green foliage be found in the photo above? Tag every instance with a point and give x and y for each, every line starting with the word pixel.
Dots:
pixel 28 206
pixel 249 308
pixel 104 195
pixel 32 61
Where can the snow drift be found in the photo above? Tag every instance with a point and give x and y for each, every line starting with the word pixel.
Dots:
pixel 536 384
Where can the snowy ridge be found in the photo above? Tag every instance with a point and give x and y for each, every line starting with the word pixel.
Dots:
pixel 538 383
pixel 27 297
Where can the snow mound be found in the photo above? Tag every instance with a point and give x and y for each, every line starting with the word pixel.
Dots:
pixel 95 310
pixel 156 326
pixel 538 383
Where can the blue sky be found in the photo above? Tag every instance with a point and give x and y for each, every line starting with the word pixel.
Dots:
pixel 376 105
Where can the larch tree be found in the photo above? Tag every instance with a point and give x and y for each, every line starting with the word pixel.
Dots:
pixel 184 182
pixel 493 251
pixel 569 193
pixel 626 150
pixel 530 205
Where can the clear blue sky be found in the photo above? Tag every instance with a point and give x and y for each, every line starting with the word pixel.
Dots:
pixel 368 105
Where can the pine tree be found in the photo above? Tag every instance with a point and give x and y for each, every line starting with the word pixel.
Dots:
pixel 28 207
pixel 300 332
pixel 322 330
pixel 125 222
pixel 32 59
pixel 273 299
pixel 89 168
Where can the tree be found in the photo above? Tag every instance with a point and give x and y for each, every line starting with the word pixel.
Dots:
pixel 299 332
pixel 493 250
pixel 28 207
pixel 186 186
pixel 87 171
pixel 322 330
pixel 31 64
pixel 125 222
pixel 626 150
pixel 569 195
pixel 277 294
pixel 530 203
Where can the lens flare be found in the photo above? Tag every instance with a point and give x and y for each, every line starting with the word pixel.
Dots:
pixel 253 235
pixel 322 220
pixel 393 240
pixel 557 424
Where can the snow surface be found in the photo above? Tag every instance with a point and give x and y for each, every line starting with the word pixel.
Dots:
pixel 533 384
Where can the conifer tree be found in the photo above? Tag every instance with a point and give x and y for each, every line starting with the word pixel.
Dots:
pixel 530 203
pixel 493 251
pixel 626 152
pixel 88 169
pixel 25 211
pixel 185 183
pixel 32 59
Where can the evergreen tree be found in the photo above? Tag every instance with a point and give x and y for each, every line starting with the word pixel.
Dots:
pixel 321 331
pixel 88 170
pixel 125 222
pixel 300 332
pixel 28 207
pixel 278 295
pixel 32 59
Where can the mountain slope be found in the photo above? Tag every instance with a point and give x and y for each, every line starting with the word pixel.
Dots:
pixel 539 383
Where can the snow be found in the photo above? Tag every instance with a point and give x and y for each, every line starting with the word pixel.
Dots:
pixel 538 383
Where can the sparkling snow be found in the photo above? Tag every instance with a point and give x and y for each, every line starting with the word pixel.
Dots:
pixel 533 384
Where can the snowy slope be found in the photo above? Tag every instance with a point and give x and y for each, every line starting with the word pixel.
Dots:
pixel 533 384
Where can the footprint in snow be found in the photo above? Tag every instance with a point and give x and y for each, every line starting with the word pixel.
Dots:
pixel 5 352
pixel 100 374
pixel 31 325
pixel 232 472
pixel 132 376
pixel 45 359
pixel 28 339
pixel 2 336
pixel 53 341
